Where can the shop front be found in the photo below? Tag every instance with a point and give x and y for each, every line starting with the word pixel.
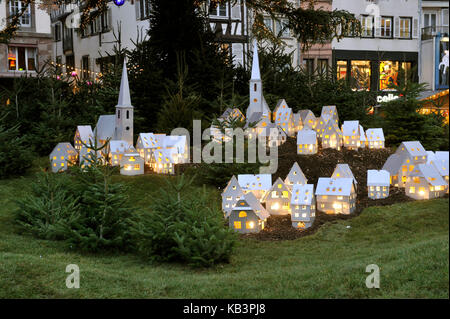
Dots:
pixel 374 70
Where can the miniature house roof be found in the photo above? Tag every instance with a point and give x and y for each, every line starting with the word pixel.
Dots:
pixel 302 194
pixel 163 156
pixel 118 146
pixel 350 128
pixel 413 148
pixel 124 93
pixel 332 128
pixel 85 132
pixel 295 175
pixel 378 178
pixel 105 127
pixel 430 173
pixel 441 166
pixel 252 204
pixel 362 137
pixel 131 154
pixel 442 155
pixel 431 157
pixel 283 114
pixel 329 112
pixel 279 185
pixel 306 136
pixel 374 134
pixel 255 182
pixel 226 114
pixel 150 140
pixel 393 164
pixel 233 182
pixel 297 119
pixel 254 118
pixel 63 148
pixel 307 115
pixel 256 75
pixel 336 187
pixel 178 142
pixel 343 171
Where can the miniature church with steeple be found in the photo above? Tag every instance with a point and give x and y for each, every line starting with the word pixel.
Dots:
pixel 124 111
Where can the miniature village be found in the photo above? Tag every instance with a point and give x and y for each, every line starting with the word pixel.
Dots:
pixel 248 201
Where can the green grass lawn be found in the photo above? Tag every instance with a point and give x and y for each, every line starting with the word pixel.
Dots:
pixel 409 242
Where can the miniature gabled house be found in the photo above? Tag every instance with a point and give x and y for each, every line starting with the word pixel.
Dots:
pixel 248 215
pixel 332 137
pixel 344 171
pixel 87 155
pixel 278 199
pixel 273 135
pixel 309 120
pixel 298 124
pixel 178 147
pixel 303 206
pixel 351 134
pixel 116 151
pixel 425 182
pixel 230 196
pixel 306 142
pixel 378 184
pixel 162 162
pixel 441 164
pixel 83 134
pixel 362 137
pixel 132 164
pixel 256 184
pixel 393 165
pixel 105 128
pixel 412 154
pixel 320 127
pixel 147 142
pixel 62 156
pixel 329 112
pixel 295 176
pixel 336 196
pixel 375 138
pixel 284 118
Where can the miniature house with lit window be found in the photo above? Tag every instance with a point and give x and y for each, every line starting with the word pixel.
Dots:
pixel 278 199
pixel 375 138
pixel 116 151
pixel 328 113
pixel 62 156
pixel 412 154
pixel 284 117
pixel 320 126
pixel 425 182
pixel 336 196
pixel 308 118
pixel 303 206
pixel 230 196
pixel 344 171
pixel 306 142
pixel 83 135
pixel 87 155
pixel 248 215
pixel 132 164
pixel 441 163
pixel 393 165
pixel 298 124
pixel 105 128
pixel 362 137
pixel 332 137
pixel 295 176
pixel 258 184
pixel 147 142
pixel 162 162
pixel 257 101
pixel 273 135
pixel 378 184
pixel 177 145
pixel 351 134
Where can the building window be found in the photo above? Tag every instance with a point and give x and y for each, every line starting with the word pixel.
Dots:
pixel 219 10
pixel 282 29
pixel 21 59
pixel 85 67
pixel 309 65
pixel 386 27
pixel 145 9
pixel 341 70
pixel 444 17
pixel 70 64
pixel 323 65
pixel 57 32
pixel 360 75
pixel 367 26
pixel 268 22
pixel 16 7
pixel 104 20
pixel 429 20
pixel 405 28
pixel 389 72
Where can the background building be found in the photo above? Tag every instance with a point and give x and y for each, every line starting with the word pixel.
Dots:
pixel 388 41
pixel 31 47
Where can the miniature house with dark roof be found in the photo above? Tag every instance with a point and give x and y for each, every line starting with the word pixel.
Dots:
pixel 248 215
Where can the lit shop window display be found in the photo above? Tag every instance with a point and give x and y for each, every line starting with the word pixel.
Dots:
pixel 360 75
pixel 389 73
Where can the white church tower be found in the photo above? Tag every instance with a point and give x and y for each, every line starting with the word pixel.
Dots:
pixel 257 100
pixel 124 111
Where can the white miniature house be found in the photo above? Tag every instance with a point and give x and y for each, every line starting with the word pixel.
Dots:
pixel 306 142
pixel 298 124
pixel 344 171
pixel 284 117
pixel 441 163
pixel 378 184
pixel 248 215
pixel 308 118
pixel 124 111
pixel 230 195
pixel 105 128
pixel 132 164
pixel 375 138
pixel 83 135
pixel 332 137
pixel 116 151
pixel 412 153
pixel 278 199
pixel 320 126
pixel 62 156
pixel 362 137
pixel 162 162
pixel 393 165
pixel 352 135
pixel 147 142
pixel 295 176
pixel 425 182
pixel 303 206
pixel 87 155
pixel 328 113
pixel 335 196
pixel 258 184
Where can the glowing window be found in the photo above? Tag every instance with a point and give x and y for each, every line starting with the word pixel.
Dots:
pixel 237 225
pixel 242 214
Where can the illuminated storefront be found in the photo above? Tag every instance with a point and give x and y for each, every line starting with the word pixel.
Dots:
pixel 372 70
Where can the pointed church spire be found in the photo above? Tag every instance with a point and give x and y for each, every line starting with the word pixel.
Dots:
pixel 124 94
pixel 255 63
